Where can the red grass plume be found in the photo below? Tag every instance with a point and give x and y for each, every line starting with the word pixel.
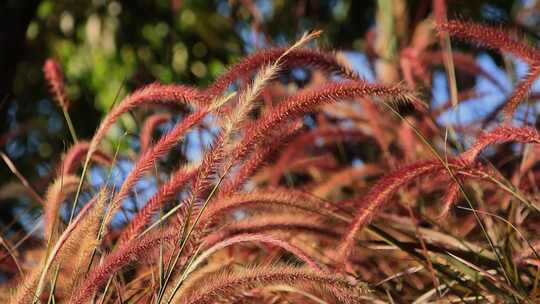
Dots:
pixel 505 41
pixel 55 78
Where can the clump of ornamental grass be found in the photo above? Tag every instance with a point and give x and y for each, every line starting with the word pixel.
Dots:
pixel 280 210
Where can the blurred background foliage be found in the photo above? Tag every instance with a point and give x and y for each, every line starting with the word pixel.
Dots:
pixel 109 48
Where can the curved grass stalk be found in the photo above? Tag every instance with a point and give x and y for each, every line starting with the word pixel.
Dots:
pixel 362 217
pixel 36 281
pixel 260 238
pixel 227 283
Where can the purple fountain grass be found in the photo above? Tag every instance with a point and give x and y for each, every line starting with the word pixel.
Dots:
pixel 55 77
pixel 220 215
pixel 270 198
pixel 150 124
pixel 500 135
pixel 329 135
pixel 497 136
pixel 491 37
pixel 288 222
pixel 216 156
pixel 159 93
pixel 73 158
pixel 190 210
pixel 499 39
pixel 34 283
pixel 520 92
pixel 378 195
pixel 125 254
pixel 306 100
pixel 151 94
pixel 257 238
pixel 258 157
pixel 165 193
pixel 57 192
pixel 296 57
pixel 192 206
pixel 227 283
pixel 148 158
pixel 449 199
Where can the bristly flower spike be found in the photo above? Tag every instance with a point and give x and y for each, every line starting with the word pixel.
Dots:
pixel 55 78
pixel 491 37
pixel 498 39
